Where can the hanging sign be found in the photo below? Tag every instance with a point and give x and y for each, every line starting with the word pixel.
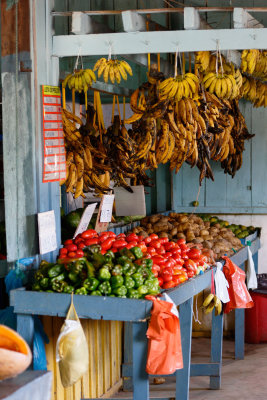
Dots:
pixel 85 219
pixel 101 226
pixel 130 203
pixel 54 168
pixel 47 232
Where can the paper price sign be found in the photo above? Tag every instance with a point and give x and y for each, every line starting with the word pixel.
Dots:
pixel 86 218
pixel 47 232
pixel 107 205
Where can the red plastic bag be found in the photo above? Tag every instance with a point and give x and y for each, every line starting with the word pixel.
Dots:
pixel 164 339
pixel 238 292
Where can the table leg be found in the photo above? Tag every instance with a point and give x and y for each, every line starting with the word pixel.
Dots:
pixel 183 375
pixel 216 348
pixel 239 334
pixel 140 377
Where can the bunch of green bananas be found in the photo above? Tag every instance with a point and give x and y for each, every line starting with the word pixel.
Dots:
pixel 80 80
pixel 211 302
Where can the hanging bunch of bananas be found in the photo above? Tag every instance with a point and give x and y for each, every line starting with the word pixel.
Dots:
pixel 211 302
pixel 112 70
pixel 249 59
pixel 202 60
pixel 80 80
pixel 182 86
pixel 222 84
pixel 255 91
pixel 260 70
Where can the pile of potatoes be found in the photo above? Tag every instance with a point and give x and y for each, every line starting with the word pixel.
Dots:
pixel 220 240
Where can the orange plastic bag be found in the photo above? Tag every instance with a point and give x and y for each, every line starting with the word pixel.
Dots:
pixel 164 339
pixel 238 292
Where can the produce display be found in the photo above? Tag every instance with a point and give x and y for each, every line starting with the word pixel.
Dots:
pixel 119 266
pixel 212 237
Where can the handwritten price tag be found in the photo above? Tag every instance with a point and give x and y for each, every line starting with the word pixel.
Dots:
pixel 47 232
pixel 85 220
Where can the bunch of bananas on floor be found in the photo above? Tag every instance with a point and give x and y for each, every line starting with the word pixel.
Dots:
pixel 222 84
pixel 112 70
pixel 182 86
pixel 211 302
pixel 81 80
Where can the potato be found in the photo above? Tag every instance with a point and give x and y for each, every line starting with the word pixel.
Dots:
pixel 173 232
pixel 149 226
pixel 183 219
pixel 204 232
pixel 154 219
pixel 170 226
pixel 149 231
pixel 160 228
pixel 207 244
pixel 200 239
pixel 180 235
pixel 163 234
pixel 197 240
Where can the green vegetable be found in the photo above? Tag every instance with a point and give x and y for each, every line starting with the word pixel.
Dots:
pixel 68 289
pixel 152 286
pixel 39 275
pixel 142 290
pixel 93 249
pixel 98 260
pixel 91 284
pixel 73 277
pixel 109 256
pixel 126 252
pixel 58 278
pixel 55 270
pixel 58 286
pixel 116 281
pixel 44 283
pixel 148 262
pixel 104 274
pixel 138 278
pixel 104 288
pixel 77 266
pixel 108 266
pixel 129 282
pixel 133 294
pixel 117 270
pixel 120 291
pixel 123 259
pixel 36 287
pixel 137 252
pixel 129 271
pixel 90 269
pixel 81 290
pixel 95 293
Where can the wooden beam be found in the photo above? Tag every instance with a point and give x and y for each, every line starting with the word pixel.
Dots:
pixel 242 19
pixel 159 42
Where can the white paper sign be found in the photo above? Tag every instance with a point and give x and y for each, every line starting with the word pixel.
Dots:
pixel 130 203
pixel 107 205
pixel 47 232
pixel 85 220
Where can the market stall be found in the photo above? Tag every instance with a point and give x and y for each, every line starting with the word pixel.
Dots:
pixel 176 122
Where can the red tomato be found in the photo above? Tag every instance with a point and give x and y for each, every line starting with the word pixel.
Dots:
pixel 169 264
pixel 202 259
pixel 190 265
pixel 151 250
pixel 63 250
pixel 78 240
pixel 177 270
pixel 103 237
pixel 135 243
pixel 156 267
pixel 102 251
pixel 121 236
pixel 168 254
pixel 169 246
pixel 164 240
pixel 161 250
pixel 184 256
pixel 89 233
pixel 176 251
pixel 153 236
pixel 166 276
pixel 129 246
pixel 148 240
pixel 81 246
pixel 167 269
pixel 89 242
pixel 181 241
pixel 132 238
pixel 168 285
pixel 156 273
pixel 176 280
pixel 119 243
pixel 80 253
pixel 72 254
pixel 107 244
pixel 155 243
pixel 184 247
pixel 142 247
pixel 159 260
pixel 104 233
pixel 160 281
pixel 112 234
pixel 71 247
pixel 69 241
pixel 190 274
pixel 194 254
pixel 114 249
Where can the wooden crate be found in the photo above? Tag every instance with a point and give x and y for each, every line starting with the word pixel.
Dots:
pixel 105 358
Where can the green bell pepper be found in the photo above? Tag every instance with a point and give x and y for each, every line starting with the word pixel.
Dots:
pixel 126 252
pixel 96 293
pixel 108 266
pixel 68 289
pixel 36 287
pixel 129 271
pixel 137 252
pixel 73 277
pixel 111 295
pixel 58 278
pixel 58 286
pixel 91 284
pixel 44 283
pixel 133 294
pixel 120 291
pixel 123 259
pixel 104 288
pixel 98 260
pixel 148 262
pixel 93 249
pixel 90 269
pixel 116 281
pixel 109 256
pixel 104 274
pixel 117 270
pixel 152 286
pixel 138 278
pixel 39 275
pixel 142 290
pixel 81 290
pixel 129 282
pixel 55 270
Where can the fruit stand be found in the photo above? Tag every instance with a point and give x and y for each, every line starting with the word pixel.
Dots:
pixel 178 122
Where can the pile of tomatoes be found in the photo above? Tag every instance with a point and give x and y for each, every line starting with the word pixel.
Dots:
pixel 173 263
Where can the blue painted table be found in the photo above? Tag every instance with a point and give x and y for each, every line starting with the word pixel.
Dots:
pixel 26 304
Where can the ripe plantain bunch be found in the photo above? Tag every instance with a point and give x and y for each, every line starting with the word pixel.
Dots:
pixel 211 302
pixel 80 80
pixel 179 87
pixel 222 84
pixel 112 70
pixel 249 60
pixel 202 60
pixel 255 91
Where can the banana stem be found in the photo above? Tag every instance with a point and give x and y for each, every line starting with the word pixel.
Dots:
pixel 86 100
pixel 64 98
pixel 119 111
pixel 158 56
pixel 113 108
pixel 73 101
pixel 123 108
pixel 175 64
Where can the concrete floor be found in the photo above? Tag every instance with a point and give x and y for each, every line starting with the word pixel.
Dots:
pixel 242 380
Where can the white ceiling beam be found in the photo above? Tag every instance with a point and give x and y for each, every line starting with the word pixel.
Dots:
pixel 242 19
pixel 133 22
